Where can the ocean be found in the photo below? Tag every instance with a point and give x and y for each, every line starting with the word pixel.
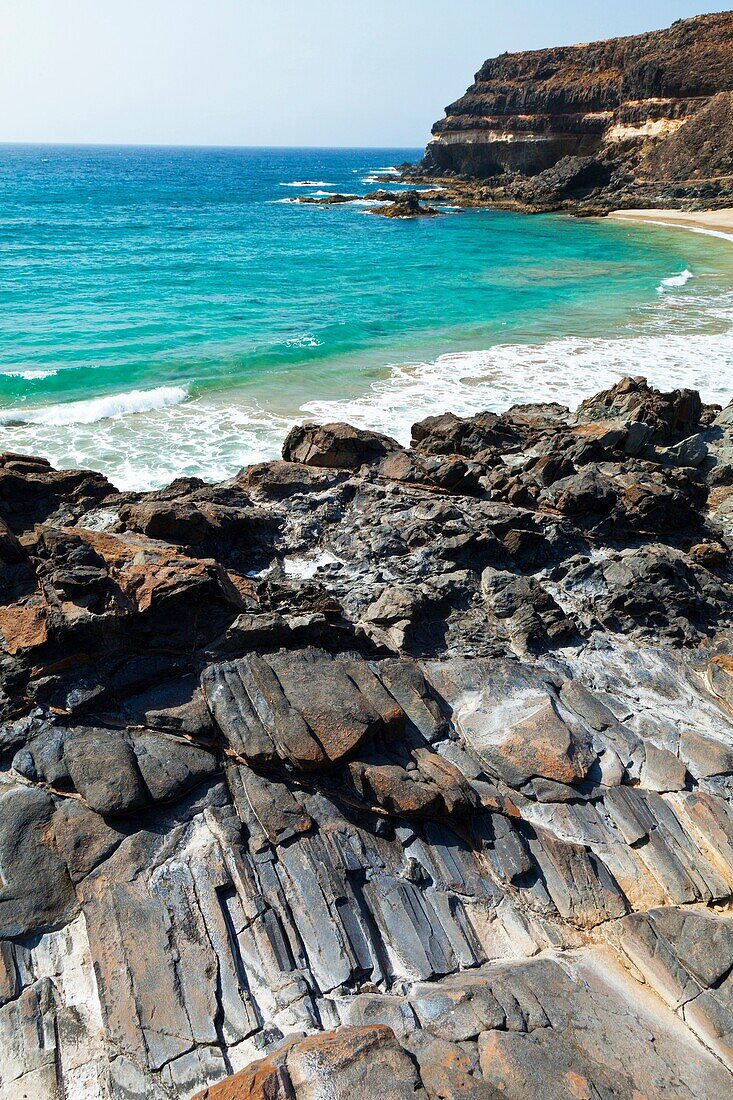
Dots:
pixel 169 311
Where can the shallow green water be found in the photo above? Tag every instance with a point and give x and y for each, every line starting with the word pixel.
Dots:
pixel 173 310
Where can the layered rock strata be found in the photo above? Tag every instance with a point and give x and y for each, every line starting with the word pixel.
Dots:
pixel 640 121
pixel 376 769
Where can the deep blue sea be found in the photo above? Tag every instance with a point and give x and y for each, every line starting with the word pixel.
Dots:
pixel 169 310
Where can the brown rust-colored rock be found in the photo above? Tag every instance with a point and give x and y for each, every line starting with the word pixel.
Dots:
pixel 354 1061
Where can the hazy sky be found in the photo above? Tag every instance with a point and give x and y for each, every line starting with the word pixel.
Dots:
pixel 272 72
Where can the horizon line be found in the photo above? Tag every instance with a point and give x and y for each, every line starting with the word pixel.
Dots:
pixel 190 145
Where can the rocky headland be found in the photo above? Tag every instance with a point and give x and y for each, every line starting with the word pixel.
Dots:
pixel 377 770
pixel 629 122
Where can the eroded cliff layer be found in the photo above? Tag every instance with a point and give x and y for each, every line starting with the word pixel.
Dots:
pixel 647 115
pixel 432 746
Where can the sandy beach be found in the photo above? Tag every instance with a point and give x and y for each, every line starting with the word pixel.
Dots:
pixel 717 223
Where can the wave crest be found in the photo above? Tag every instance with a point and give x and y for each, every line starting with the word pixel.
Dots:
pixel 97 408
pixel 32 374
pixel 675 281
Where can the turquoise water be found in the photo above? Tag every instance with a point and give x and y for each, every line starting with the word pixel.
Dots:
pixel 174 310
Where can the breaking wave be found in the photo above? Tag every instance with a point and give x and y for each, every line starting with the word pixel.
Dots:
pixel 32 374
pixel 214 437
pixel 96 409
pixel 566 370
pixel 675 281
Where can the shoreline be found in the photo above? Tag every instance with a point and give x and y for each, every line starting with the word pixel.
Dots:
pixel 712 223
pixel 301 672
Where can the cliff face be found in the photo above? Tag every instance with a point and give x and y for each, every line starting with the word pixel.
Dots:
pixel 638 106
pixel 381 771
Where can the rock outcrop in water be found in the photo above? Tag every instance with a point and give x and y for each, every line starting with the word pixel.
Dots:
pixel 640 121
pixel 376 770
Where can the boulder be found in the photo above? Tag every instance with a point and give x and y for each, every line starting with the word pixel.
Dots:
pixel 672 416
pixel 337 446
pixel 35 888
pixel 522 737
pixel 31 491
pixel 521 607
pixel 103 768
pixel 170 766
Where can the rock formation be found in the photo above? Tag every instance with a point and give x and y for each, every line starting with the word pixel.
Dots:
pixel 392 204
pixel 378 770
pixel 404 205
pixel 641 121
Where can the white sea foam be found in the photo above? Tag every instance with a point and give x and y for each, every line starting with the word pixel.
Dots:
pixel 566 371
pixel 143 440
pixel 675 281
pixel 304 340
pixel 307 183
pixel 692 229
pixel 711 232
pixel 150 449
pixel 96 409
pixel 304 568
pixel 32 374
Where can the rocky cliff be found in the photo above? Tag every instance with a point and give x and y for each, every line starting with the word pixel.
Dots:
pixel 644 119
pixel 377 770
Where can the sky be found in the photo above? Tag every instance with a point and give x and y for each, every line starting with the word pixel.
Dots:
pixel 273 72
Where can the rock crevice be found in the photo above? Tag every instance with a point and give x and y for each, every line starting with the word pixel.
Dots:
pixel 376 768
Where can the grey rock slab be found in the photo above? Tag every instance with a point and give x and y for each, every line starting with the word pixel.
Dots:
pixel 302 708
pixel 274 806
pixel 104 770
pixel 35 888
pixel 170 766
pixel 83 838
pixel 662 771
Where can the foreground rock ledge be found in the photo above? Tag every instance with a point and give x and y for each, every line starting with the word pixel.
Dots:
pixel 378 769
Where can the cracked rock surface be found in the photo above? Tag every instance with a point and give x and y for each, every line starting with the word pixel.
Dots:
pixel 376 770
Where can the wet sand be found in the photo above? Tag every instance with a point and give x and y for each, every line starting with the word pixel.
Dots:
pixel 718 223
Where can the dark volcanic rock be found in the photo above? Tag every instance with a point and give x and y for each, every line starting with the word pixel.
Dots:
pixel 103 769
pixel 671 416
pixel 406 204
pixel 336 446
pixel 631 121
pixel 327 200
pixel 31 491
pixel 376 769
pixel 35 889
pixel 305 709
